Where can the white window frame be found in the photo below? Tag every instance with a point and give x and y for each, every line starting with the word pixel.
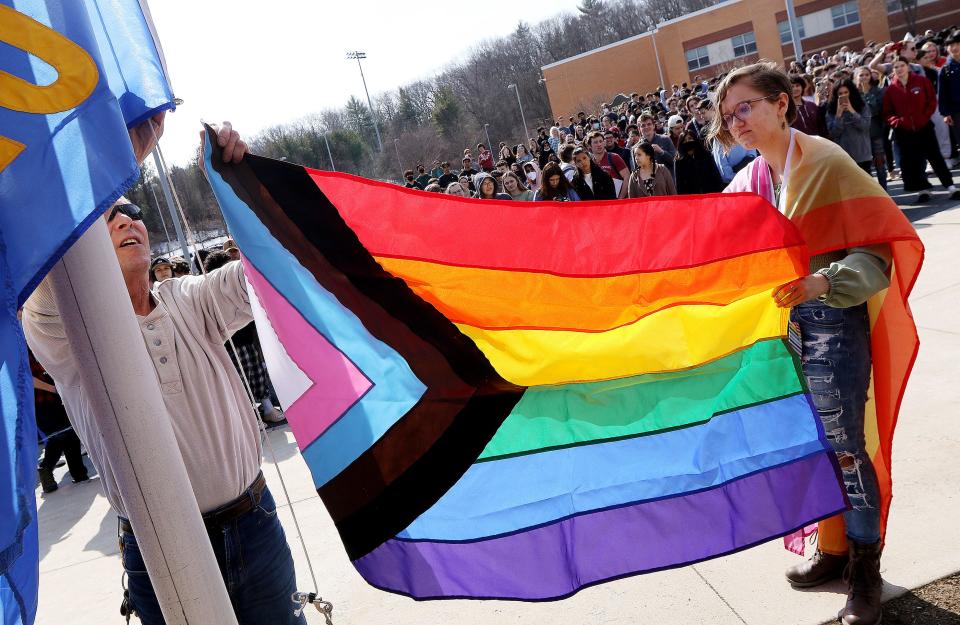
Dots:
pixel 701 58
pixel 745 44
pixel 845 14
pixel 784 28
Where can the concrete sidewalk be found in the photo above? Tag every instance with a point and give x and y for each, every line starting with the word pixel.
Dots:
pixel 80 568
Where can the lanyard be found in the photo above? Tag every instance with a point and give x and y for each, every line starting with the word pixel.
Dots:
pixel 781 197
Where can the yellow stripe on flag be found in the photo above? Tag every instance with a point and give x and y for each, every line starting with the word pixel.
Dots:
pixel 676 338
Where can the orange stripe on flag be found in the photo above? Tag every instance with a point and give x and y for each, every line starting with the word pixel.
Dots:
pixel 516 300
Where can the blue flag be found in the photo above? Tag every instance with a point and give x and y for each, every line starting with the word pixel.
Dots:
pixel 74 76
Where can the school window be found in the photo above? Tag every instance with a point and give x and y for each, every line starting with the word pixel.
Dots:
pixel 844 14
pixel 784 27
pixel 744 44
pixel 697 58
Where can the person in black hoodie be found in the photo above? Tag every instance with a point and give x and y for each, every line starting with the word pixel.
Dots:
pixel 591 182
pixel 696 170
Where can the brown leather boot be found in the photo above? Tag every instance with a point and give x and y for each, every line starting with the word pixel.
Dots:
pixel 866 586
pixel 819 569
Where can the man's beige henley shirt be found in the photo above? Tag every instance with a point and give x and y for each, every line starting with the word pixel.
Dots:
pixel 212 418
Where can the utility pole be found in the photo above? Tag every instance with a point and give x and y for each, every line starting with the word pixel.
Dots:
pixel 329 153
pixel 794 31
pixel 356 54
pixel 522 116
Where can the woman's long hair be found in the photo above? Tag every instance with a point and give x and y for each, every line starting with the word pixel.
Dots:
pixel 647 148
pixel 856 100
pixel 548 193
pixel 520 185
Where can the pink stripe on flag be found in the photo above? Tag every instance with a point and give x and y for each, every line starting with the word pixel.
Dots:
pixel 337 383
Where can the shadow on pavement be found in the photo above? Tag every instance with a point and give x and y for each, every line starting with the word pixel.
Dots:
pixel 283 444
pixel 60 511
pixel 912 610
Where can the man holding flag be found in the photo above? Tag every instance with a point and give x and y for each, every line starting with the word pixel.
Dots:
pixel 73 131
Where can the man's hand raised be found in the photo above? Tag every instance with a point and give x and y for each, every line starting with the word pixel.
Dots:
pixel 145 136
pixel 234 148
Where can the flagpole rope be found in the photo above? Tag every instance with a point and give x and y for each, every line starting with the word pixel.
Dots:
pixel 191 241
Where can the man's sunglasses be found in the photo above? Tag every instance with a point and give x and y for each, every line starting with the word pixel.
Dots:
pixel 130 210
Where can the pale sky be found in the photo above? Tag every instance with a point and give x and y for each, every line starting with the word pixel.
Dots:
pixel 258 64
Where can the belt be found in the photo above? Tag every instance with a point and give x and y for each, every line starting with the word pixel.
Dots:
pixel 226 513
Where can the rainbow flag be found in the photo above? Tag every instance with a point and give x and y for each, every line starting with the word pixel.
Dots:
pixel 517 400
pixel 837 206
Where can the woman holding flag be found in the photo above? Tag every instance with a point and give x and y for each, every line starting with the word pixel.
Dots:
pixel 849 316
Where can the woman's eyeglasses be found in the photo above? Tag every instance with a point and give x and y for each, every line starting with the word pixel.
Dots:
pixel 741 111
pixel 130 210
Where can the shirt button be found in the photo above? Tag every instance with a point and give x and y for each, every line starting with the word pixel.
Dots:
pixel 149 326
pixel 156 341
pixel 163 360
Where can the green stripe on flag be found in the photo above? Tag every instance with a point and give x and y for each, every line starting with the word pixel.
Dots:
pixel 551 417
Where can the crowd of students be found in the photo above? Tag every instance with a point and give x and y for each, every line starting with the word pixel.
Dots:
pixel 891 107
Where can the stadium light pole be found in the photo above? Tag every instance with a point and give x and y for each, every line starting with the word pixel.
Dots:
pixel 356 54
pixel 329 153
pixel 526 130
pixel 656 54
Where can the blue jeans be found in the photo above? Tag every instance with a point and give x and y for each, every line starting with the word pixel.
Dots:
pixel 835 359
pixel 254 560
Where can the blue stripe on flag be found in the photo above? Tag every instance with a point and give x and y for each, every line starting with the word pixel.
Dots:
pixel 506 495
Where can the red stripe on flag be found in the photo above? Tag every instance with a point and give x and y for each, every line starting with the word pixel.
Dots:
pixel 569 239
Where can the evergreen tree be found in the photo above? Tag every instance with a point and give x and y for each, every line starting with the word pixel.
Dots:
pixel 446 111
pixel 408 116
pixel 359 118
pixel 591 9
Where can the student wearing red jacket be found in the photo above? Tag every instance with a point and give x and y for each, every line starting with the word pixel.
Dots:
pixel 486 158
pixel 908 105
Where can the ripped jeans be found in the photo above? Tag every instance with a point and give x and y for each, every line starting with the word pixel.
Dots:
pixel 836 362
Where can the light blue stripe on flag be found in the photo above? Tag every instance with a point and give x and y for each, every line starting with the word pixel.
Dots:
pixel 395 387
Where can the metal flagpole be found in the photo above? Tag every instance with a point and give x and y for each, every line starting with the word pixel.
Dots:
pixel 162 220
pixel 794 31
pixel 168 197
pixel 120 382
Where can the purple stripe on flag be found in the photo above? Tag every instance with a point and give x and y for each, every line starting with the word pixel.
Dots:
pixel 556 560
